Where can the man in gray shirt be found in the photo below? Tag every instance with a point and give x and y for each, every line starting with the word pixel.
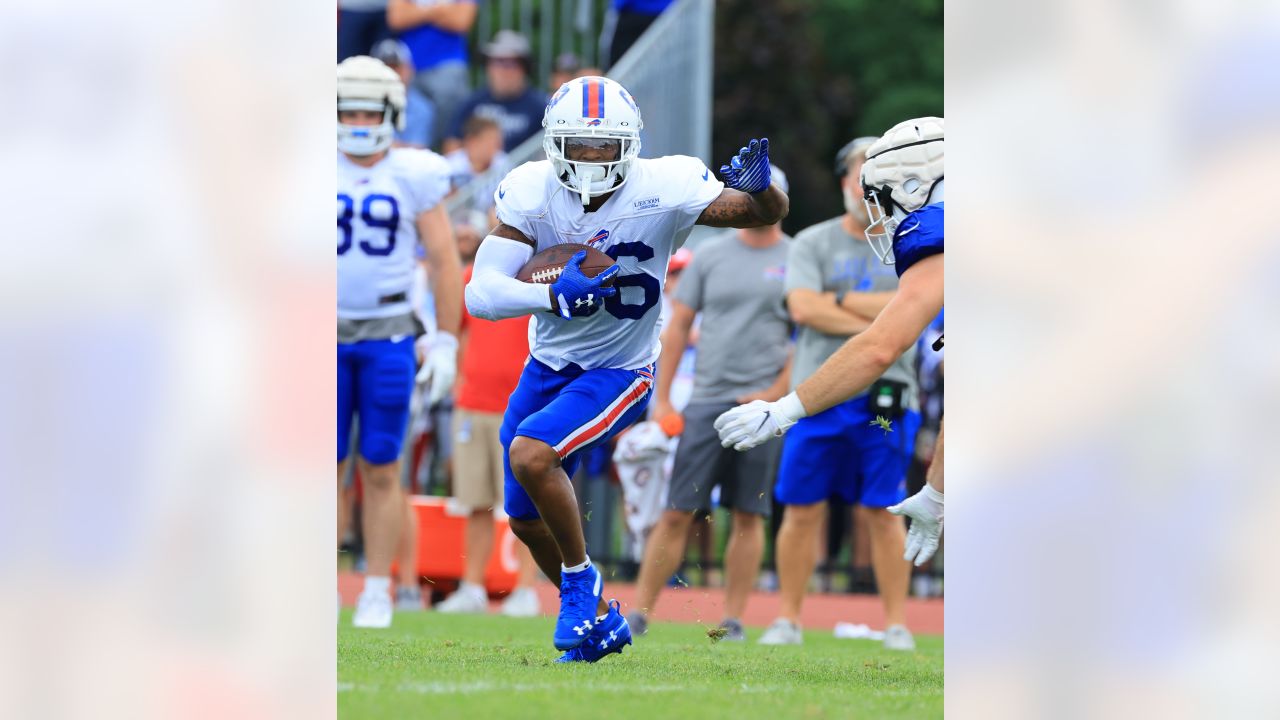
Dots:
pixel 735 281
pixel 835 288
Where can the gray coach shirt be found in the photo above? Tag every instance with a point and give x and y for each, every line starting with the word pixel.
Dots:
pixel 825 258
pixel 745 330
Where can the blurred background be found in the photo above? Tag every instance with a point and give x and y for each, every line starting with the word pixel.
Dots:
pixel 707 77
pixel 167 326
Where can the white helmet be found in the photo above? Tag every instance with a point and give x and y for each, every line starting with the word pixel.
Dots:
pixel 592 112
pixel 368 84
pixel 902 173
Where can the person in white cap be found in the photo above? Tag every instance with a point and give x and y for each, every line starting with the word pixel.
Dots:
pixel 389 201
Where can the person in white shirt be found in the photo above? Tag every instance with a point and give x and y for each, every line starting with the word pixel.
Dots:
pixel 592 343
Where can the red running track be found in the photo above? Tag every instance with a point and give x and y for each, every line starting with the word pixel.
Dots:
pixel 821 611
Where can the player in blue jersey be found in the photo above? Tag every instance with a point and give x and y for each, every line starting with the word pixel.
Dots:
pixel 902 184
pixel 389 201
pixel 592 347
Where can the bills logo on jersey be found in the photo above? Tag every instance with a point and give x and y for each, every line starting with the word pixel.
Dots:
pixel 599 237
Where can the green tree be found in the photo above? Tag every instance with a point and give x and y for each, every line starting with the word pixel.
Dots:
pixel 811 76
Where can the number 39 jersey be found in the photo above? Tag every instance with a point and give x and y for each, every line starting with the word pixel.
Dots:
pixel 639 226
pixel 378 209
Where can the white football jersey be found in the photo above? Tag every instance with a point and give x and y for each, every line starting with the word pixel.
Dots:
pixel 639 226
pixel 378 210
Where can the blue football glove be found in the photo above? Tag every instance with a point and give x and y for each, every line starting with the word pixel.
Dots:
pixel 576 295
pixel 748 171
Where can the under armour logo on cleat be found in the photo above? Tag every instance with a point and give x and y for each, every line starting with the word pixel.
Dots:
pixel 582 630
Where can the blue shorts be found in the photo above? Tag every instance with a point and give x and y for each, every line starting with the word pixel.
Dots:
pixel 572 410
pixel 839 452
pixel 375 381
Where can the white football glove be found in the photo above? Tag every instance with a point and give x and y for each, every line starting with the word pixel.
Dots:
pixel 439 364
pixel 747 426
pixel 925 510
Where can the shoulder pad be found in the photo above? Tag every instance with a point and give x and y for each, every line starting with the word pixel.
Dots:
pixel 919 235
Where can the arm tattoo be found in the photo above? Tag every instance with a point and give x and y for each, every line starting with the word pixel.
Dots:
pixel 510 233
pixel 735 208
pixel 731 209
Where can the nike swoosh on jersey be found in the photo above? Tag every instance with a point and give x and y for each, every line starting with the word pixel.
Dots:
pixel 398 338
pixel 706 174
pixel 904 231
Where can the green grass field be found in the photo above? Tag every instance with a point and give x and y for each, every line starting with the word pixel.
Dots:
pixel 438 666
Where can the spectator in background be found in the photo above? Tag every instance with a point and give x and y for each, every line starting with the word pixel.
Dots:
pixel 626 23
pixel 836 286
pixel 507 98
pixel 436 33
pixel 565 69
pixel 493 356
pixel 419 113
pixel 361 25
pixel 736 282
pixel 481 151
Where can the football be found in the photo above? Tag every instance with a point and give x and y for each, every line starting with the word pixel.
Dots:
pixel 545 267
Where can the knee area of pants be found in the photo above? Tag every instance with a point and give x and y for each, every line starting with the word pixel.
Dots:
pixel 380 448
pixel 530 457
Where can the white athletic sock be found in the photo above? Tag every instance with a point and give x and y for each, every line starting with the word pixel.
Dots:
pixel 576 568
pixel 377 585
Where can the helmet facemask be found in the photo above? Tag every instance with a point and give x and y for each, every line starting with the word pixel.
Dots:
pixel 364 140
pixel 883 215
pixel 591 178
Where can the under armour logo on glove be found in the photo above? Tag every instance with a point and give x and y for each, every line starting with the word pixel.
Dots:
pixel 575 293
pixel 748 171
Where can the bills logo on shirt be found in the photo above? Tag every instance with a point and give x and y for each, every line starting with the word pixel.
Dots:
pixel 599 237
pixel 777 272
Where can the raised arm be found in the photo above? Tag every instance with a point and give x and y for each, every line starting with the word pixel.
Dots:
pixel 749 198
pixel 738 209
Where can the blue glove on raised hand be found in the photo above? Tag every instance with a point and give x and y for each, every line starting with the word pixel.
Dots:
pixel 748 171
pixel 574 294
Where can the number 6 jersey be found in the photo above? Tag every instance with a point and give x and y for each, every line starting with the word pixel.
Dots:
pixel 378 210
pixel 645 220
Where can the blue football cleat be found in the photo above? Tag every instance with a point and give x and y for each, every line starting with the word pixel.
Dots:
pixel 579 599
pixel 608 637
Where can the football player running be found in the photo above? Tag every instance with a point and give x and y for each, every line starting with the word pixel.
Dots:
pixel 593 345
pixel 388 200
pixel 902 184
